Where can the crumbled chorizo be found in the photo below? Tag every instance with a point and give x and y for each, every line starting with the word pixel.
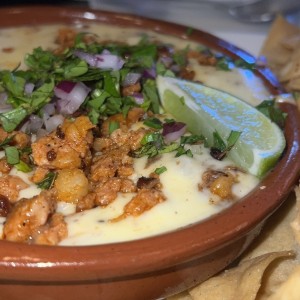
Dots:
pixel 143 201
pixel 27 216
pixel 10 186
pixel 53 232
pixel 5 167
pixel 131 89
pixel 110 162
pixel 52 152
pixel 203 58
pixel 5 206
pixel 220 183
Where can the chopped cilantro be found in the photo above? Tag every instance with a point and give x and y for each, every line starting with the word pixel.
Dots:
pixel 48 181
pixel 220 148
pixel 112 126
pixel 269 109
pixel 223 64
pixel 6 141
pixel 244 65
pixel 12 155
pixel 160 170
pixel 153 123
pixel 23 167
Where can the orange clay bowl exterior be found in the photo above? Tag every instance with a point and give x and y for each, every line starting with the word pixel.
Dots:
pixel 158 266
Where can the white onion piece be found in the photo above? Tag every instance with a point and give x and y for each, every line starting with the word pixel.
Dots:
pixel 40 133
pixel 173 131
pixel 35 123
pixel 131 78
pixel 4 107
pixel 53 122
pixel 28 88
pixel 68 103
pixel 105 60
pixel 49 109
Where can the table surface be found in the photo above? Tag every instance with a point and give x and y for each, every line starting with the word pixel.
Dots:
pixel 213 19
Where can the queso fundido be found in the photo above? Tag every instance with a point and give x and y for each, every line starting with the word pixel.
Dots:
pixel 88 155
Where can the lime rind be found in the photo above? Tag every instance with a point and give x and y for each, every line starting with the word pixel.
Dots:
pixel 206 110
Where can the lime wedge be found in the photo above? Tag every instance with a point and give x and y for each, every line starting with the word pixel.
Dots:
pixel 206 110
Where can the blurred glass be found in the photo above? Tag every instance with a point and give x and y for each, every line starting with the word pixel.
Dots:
pixel 242 10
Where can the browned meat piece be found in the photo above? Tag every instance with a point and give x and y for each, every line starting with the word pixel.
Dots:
pixel 108 164
pixel 203 58
pixel 52 233
pixel 67 148
pixel 20 139
pixel 27 216
pixel 5 206
pixel 143 201
pixel 65 39
pixel 5 167
pixel 133 116
pixel 187 74
pixel 39 174
pixel 3 134
pixel 10 186
pixel 87 202
pixel 131 89
pixel 148 183
pixel 105 192
pixel 219 183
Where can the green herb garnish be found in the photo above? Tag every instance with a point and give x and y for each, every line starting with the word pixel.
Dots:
pixel 160 170
pixel 48 181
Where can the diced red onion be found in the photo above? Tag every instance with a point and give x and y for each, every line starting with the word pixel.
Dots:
pixel 28 88
pixel 63 88
pixel 173 131
pixel 105 60
pixel 150 73
pixel 53 122
pixel 71 95
pixel 166 61
pixel 138 98
pixel 131 78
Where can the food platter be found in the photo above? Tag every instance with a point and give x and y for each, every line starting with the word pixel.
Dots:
pixel 174 261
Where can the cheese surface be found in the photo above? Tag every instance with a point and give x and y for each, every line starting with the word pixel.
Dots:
pixel 185 202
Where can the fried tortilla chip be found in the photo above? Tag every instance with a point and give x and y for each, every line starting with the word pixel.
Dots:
pixel 282 51
pixel 241 282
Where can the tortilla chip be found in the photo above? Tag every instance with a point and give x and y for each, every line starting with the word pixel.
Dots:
pixel 295 224
pixel 289 290
pixel 241 282
pixel 282 52
pixel 277 46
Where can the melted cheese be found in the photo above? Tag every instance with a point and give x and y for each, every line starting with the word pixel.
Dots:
pixel 185 204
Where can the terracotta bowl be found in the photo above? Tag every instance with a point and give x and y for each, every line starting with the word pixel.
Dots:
pixel 159 266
